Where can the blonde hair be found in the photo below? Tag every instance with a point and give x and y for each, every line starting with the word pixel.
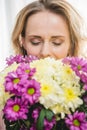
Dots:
pixel 60 7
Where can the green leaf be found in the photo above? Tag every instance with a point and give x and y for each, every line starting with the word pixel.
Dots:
pixel 26 123
pixel 49 114
pixel 40 121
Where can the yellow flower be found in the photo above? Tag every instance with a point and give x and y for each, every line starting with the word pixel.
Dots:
pixel 46 89
pixel 48 93
pixel 70 94
pixel 4 95
pixel 60 89
pixel 58 108
pixel 71 97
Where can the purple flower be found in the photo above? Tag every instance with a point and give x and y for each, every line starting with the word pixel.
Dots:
pixel 15 109
pixel 85 87
pixel 14 82
pixel 33 127
pixel 20 59
pixel 24 69
pixel 85 99
pixel 31 91
pixel 67 60
pixel 79 65
pixel 84 78
pixel 17 59
pixel 77 121
pixel 30 58
pixel 48 125
pixel 36 113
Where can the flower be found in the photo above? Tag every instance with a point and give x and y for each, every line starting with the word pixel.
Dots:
pixel 44 94
pixel 79 65
pixel 15 109
pixel 4 96
pixel 54 85
pixel 31 91
pixel 20 59
pixel 48 124
pixel 77 121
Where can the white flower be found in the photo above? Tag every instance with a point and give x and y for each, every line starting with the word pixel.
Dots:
pixel 60 88
pixel 71 97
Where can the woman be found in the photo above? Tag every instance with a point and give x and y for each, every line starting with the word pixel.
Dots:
pixel 48 28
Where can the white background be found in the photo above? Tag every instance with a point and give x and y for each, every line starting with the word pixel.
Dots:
pixel 8 12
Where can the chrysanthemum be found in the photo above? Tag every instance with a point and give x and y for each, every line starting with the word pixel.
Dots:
pixel 77 121
pixel 44 68
pixel 48 125
pixel 79 65
pixel 35 114
pixel 24 69
pixel 83 78
pixel 14 82
pixel 67 73
pixel 12 59
pixel 71 97
pixel 31 91
pixel 20 59
pixel 49 93
pixel 16 109
pixel 33 127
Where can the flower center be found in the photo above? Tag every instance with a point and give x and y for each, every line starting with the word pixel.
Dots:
pixel 27 71
pixel 31 91
pixel 16 108
pixel 46 89
pixel 79 67
pixel 16 80
pixel 76 122
pixel 68 70
pixel 69 94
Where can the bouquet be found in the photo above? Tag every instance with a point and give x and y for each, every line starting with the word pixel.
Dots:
pixel 44 94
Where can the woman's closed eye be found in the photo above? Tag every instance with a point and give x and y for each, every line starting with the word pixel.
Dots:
pixel 57 43
pixel 35 41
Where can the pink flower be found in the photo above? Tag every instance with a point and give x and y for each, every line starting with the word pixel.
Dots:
pixel 24 69
pixel 16 109
pixel 79 65
pixel 31 91
pixel 20 59
pixel 77 121
pixel 33 127
pixel 14 82
pixel 85 87
pixel 35 114
pixel 84 78
pixel 48 125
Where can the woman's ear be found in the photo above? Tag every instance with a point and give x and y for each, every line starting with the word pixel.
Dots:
pixel 21 41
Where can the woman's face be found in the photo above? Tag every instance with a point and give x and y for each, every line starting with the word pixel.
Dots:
pixel 47 35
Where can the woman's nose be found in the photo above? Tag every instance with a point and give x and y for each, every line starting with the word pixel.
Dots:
pixel 45 51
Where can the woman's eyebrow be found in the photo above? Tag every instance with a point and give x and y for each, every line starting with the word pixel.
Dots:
pixel 53 37
pixel 59 36
pixel 36 36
